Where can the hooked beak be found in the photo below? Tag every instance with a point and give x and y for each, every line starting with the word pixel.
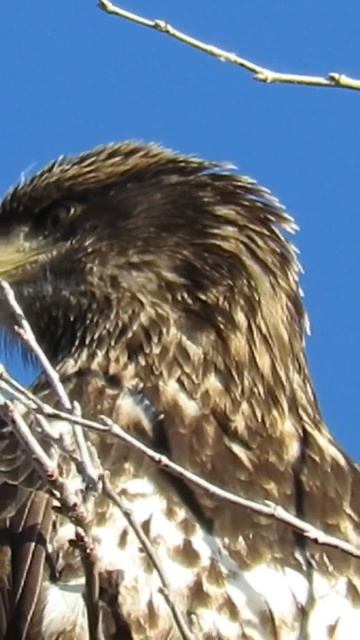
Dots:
pixel 16 256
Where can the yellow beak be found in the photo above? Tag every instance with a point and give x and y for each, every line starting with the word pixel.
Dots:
pixel 14 256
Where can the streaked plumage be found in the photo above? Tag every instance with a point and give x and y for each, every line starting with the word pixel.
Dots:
pixel 167 297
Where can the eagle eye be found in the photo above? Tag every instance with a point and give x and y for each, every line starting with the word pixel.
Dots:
pixel 53 217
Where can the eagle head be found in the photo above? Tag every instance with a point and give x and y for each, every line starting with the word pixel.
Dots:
pixel 91 238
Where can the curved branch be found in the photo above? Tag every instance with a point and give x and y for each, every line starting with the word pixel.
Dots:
pixel 25 333
pixel 265 508
pixel 333 80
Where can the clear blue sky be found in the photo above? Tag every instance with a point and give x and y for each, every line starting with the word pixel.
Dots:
pixel 73 77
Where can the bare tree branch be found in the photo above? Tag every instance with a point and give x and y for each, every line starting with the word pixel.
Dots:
pixel 73 507
pixel 262 74
pixel 71 503
pixel 26 334
pixel 92 591
pixel 265 508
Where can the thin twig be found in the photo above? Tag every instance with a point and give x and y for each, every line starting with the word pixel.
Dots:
pixel 70 505
pixel 262 74
pixel 26 334
pixel 265 508
pixel 28 442
pixel 31 402
pixel 84 452
pixel 146 545
pixel 17 391
pixel 62 490
pixel 73 508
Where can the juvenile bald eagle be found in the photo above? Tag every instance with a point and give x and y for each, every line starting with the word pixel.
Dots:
pixel 166 296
